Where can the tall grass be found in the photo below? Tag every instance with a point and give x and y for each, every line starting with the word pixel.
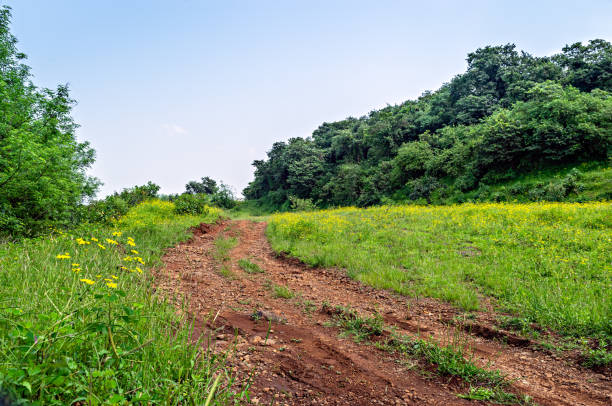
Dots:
pixel 550 263
pixel 79 322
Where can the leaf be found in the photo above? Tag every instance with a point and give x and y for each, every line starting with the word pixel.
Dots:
pixel 26 385
pixel 113 400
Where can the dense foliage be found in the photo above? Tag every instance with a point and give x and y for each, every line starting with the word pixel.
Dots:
pixel 42 165
pixel 510 113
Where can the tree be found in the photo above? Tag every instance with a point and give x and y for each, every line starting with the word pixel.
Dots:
pixel 588 66
pixel 42 165
pixel 206 186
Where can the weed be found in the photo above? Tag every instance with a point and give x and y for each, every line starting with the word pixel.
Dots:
pixel 361 328
pixel 227 273
pixel 283 292
pixel 597 357
pixel 249 267
pixel 223 246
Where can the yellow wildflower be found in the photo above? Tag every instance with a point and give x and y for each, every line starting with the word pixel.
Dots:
pixel 117 233
pixel 138 270
pixel 114 277
pixel 63 256
pixel 87 281
pixel 134 252
pixel 102 246
pixel 94 239
pixel 111 285
pixel 112 242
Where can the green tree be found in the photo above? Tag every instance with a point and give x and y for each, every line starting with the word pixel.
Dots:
pixel 206 186
pixel 42 165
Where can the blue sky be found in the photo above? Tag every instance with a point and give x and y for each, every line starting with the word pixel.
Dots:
pixel 172 91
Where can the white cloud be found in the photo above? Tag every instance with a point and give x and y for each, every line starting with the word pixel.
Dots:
pixel 174 129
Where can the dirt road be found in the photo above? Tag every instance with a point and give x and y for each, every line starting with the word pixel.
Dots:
pixel 304 361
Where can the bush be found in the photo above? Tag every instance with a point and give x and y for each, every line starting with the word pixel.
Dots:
pixel 297 204
pixel 104 211
pixel 224 197
pixel 191 204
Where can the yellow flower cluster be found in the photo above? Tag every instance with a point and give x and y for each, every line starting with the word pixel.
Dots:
pixel 112 281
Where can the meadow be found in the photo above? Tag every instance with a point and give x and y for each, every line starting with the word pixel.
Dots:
pixel 80 322
pixel 548 263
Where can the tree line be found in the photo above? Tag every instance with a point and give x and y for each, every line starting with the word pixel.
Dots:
pixel 508 114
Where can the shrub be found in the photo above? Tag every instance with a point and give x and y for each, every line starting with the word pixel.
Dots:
pixel 297 204
pixel 191 204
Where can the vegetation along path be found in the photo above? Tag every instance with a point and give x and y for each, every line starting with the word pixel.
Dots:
pixel 314 336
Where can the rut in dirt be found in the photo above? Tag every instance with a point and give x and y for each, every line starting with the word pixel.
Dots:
pixel 304 362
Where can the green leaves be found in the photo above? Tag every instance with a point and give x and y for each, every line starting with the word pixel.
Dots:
pixel 42 166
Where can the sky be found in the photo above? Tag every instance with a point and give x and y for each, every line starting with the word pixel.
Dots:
pixel 171 91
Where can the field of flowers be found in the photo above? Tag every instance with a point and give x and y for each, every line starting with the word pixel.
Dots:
pixel 79 322
pixel 549 263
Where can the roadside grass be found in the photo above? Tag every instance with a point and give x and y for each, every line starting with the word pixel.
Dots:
pixel 80 324
pixel 249 267
pixel 548 263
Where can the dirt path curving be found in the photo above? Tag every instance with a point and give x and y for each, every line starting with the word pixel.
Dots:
pixel 305 362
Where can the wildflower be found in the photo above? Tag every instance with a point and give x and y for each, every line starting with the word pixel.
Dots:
pixel 112 285
pixel 139 260
pixel 76 270
pixel 117 234
pixel 112 242
pixel 98 276
pixel 63 256
pixel 131 243
pixel 128 258
pixel 138 270
pixel 94 239
pixel 102 246
pixel 87 281
pixel 81 241
pixel 134 252
pixel 114 277
pixel 76 265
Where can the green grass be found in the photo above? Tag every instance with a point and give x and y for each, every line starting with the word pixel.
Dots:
pixel 283 292
pixel 448 360
pixel 249 267
pixel 549 263
pixel 361 328
pixel 64 340
pixel 223 246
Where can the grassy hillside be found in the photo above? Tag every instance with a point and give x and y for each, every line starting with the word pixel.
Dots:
pixel 549 263
pixel 79 321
